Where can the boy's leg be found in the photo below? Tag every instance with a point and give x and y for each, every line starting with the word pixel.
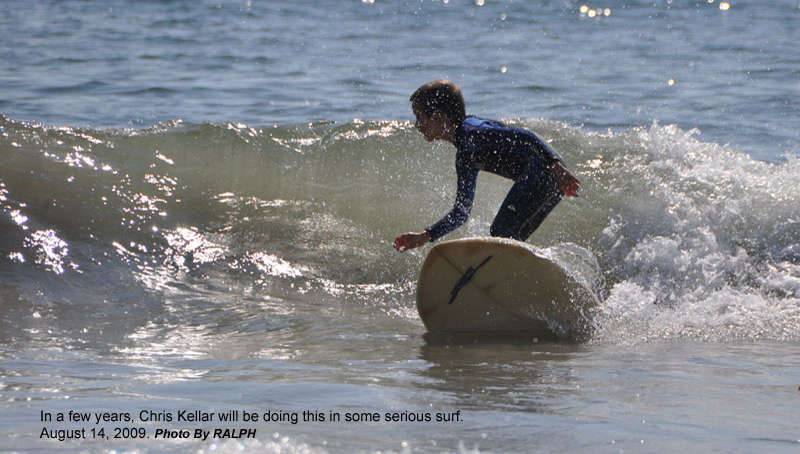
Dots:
pixel 527 204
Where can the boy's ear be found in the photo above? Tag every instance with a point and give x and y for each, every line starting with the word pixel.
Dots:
pixel 439 117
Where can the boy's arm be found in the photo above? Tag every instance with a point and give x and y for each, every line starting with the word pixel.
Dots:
pixel 467 177
pixel 465 195
pixel 566 180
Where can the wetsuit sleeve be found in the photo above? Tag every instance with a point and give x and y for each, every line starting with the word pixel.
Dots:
pixel 543 151
pixel 465 195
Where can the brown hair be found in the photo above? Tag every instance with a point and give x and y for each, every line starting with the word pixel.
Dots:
pixel 442 96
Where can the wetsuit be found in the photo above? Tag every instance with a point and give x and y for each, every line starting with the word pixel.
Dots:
pixel 510 152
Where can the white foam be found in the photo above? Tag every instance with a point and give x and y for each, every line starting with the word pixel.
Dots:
pixel 702 242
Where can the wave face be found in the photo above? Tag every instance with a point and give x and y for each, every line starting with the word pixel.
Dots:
pixel 237 228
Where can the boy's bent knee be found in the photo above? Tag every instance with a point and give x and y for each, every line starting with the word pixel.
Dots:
pixel 503 231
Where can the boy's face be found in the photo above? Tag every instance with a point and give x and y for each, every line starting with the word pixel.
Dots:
pixel 429 126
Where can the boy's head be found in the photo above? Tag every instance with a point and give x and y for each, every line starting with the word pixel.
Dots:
pixel 440 96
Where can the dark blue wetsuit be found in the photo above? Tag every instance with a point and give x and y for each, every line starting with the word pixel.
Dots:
pixel 510 152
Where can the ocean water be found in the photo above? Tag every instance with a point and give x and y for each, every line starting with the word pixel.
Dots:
pixel 198 201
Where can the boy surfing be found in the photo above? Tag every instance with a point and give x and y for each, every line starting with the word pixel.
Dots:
pixel 540 176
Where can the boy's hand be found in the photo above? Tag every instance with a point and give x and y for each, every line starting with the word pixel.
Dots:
pixel 408 241
pixel 569 184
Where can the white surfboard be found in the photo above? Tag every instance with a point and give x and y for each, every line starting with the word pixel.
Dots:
pixel 500 285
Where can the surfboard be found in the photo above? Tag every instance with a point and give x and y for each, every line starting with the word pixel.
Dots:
pixel 500 285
